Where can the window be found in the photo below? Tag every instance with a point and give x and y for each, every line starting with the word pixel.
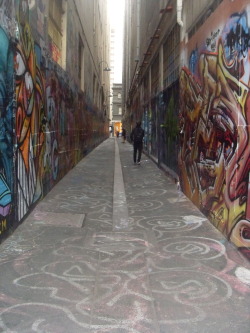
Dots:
pixel 155 76
pixel 171 57
pixel 146 87
pixel 119 96
pixel 56 30
pixel 119 111
pixel 81 64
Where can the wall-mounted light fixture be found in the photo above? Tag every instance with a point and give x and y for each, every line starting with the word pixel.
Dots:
pixel 107 68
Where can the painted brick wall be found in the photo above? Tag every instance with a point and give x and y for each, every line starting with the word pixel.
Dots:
pixel 47 125
pixel 215 111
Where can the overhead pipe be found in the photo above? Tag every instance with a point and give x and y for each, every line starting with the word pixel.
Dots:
pixel 138 5
pixel 138 25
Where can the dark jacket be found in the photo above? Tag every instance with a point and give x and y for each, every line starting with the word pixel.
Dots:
pixel 137 134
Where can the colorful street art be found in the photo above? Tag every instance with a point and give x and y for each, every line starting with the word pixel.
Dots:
pixel 30 139
pixel 214 119
pixel 6 122
pixel 46 125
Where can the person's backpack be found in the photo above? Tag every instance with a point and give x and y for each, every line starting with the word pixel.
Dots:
pixel 138 134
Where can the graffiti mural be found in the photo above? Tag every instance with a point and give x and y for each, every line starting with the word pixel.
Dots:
pixel 30 138
pixel 214 156
pixel 6 120
pixel 46 124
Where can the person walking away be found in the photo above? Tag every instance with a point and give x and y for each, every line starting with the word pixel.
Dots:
pixel 117 134
pixel 136 137
pixel 123 135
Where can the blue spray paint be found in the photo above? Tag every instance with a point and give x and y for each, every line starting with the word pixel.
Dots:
pixel 6 119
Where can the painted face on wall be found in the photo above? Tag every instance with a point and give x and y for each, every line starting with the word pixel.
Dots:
pixel 215 147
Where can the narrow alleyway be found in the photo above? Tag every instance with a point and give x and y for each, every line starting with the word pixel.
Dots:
pixel 114 247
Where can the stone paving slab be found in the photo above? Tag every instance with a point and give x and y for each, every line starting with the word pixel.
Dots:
pixel 41 217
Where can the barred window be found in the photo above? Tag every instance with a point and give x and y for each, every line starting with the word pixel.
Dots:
pixel 155 76
pixel 171 53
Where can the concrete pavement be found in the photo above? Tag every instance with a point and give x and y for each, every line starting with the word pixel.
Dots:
pixel 116 248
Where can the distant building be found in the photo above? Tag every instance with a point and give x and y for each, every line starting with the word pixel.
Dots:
pixel 117 107
pixel 112 54
pixel 112 73
pixel 116 48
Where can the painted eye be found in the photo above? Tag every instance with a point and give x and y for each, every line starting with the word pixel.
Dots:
pixel 20 66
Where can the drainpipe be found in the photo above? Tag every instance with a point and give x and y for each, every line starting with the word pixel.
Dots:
pixel 138 31
pixel 179 12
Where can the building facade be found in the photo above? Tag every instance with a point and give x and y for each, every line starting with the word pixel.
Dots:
pixel 117 107
pixel 150 76
pixel 186 76
pixel 52 96
pixel 116 47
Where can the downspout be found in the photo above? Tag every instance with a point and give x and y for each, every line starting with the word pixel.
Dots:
pixel 138 31
pixel 179 12
pixel 137 59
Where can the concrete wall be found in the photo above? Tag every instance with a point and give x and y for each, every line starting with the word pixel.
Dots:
pixel 214 119
pixel 47 123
